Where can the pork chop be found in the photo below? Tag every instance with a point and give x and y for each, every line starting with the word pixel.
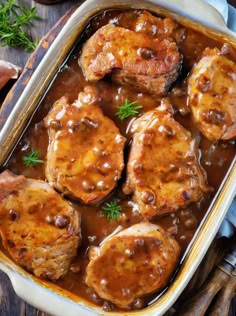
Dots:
pixel 134 59
pixel 212 95
pixel 163 170
pixel 39 229
pixel 85 152
pixel 137 261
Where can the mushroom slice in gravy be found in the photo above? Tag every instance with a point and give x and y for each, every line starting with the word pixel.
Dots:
pixel 85 152
pixel 163 171
pixel 212 95
pixel 137 261
pixel 39 229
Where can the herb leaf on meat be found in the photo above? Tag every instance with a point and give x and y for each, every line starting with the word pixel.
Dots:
pixel 128 109
pixel 14 19
pixel 112 210
pixel 32 159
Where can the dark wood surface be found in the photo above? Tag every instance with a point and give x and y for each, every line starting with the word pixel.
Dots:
pixel 232 2
pixel 49 16
pixel 10 304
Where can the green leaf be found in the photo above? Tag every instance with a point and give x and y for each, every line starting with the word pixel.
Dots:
pixel 128 109
pixel 112 210
pixel 32 159
pixel 15 21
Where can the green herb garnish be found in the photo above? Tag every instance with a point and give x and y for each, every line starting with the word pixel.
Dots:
pixel 128 109
pixel 32 159
pixel 14 20
pixel 112 210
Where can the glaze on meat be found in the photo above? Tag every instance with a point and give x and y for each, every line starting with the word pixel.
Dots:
pixel 142 21
pixel 163 170
pixel 135 262
pixel 212 95
pixel 85 152
pixel 134 59
pixel 39 229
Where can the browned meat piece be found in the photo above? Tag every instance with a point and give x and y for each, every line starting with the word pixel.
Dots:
pixel 212 95
pixel 157 86
pixel 163 170
pixel 135 59
pixel 142 21
pixel 135 262
pixel 85 152
pixel 39 229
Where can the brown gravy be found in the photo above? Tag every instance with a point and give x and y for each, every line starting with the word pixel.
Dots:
pixel 215 157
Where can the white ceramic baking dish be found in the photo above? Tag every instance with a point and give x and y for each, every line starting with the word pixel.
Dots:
pixel 44 295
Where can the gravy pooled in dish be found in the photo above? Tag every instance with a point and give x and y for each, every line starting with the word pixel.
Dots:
pixel 134 136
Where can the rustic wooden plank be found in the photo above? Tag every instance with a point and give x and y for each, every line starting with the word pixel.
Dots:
pixel 10 303
pixel 49 15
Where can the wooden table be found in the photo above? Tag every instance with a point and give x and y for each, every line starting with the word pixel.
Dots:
pixel 49 16
pixel 10 304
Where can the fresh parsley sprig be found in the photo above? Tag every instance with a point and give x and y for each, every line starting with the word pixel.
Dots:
pixel 128 109
pixel 14 20
pixel 32 159
pixel 112 210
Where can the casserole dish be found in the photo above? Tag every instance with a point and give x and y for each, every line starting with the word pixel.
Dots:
pixel 53 299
